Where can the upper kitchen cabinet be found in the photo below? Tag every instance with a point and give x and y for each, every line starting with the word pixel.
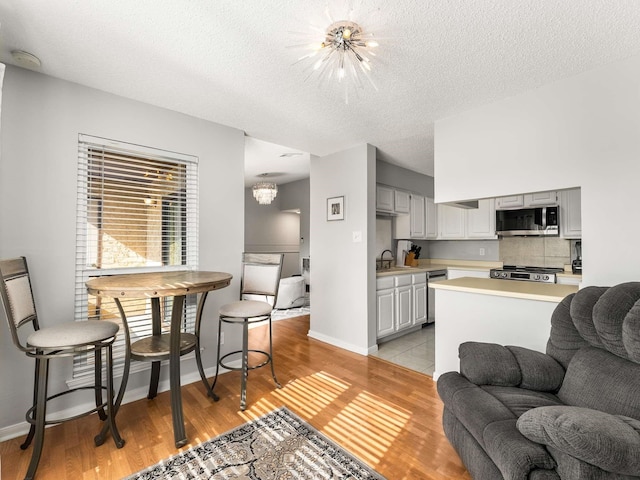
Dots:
pixel 431 211
pixel 417 217
pixel 392 201
pixel 451 222
pixel 540 199
pixel 513 201
pixel 481 221
pixel 570 213
pixel 402 201
pixel 420 224
pixel 385 199
pixel 527 200
pixel 474 223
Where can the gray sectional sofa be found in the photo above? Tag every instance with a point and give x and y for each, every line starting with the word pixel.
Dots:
pixel 572 413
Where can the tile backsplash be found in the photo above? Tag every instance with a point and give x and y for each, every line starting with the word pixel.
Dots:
pixel 535 251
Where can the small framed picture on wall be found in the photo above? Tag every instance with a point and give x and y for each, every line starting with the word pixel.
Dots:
pixel 335 208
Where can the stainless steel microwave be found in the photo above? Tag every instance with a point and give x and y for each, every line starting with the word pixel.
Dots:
pixel 533 221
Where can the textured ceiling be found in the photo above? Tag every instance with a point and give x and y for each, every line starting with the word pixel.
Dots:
pixel 228 61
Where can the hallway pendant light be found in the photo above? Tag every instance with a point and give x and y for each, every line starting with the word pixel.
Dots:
pixel 265 192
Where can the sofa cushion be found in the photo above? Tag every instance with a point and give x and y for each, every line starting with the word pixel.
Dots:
pixel 600 380
pixel 610 313
pixel 565 340
pixel 538 370
pixel 610 442
pixel 520 400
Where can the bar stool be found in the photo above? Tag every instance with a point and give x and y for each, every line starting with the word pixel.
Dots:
pixel 258 294
pixel 61 340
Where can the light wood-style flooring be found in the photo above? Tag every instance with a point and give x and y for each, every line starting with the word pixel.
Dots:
pixel 388 416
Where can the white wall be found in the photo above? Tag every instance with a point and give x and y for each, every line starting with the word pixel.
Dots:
pixel 296 195
pixel 268 229
pixel 582 131
pixel 41 120
pixel 343 272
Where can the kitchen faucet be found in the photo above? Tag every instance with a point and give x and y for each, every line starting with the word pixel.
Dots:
pixel 380 264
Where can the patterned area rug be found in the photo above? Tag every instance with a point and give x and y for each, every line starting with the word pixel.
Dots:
pixel 277 446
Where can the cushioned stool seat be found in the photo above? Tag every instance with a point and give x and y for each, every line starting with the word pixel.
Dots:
pixel 245 308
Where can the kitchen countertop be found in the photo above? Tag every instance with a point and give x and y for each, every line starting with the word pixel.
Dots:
pixel 546 292
pixel 429 265
pixel 425 265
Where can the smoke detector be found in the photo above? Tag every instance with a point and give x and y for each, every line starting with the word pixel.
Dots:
pixel 25 59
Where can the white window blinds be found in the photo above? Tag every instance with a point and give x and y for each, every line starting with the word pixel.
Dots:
pixel 137 212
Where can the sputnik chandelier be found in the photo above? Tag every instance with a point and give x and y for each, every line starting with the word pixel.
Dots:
pixel 344 55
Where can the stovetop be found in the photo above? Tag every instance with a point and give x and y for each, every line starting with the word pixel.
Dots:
pixel 526 273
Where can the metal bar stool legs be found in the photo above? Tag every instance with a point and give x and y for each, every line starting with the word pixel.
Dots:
pixel 245 366
pixel 42 366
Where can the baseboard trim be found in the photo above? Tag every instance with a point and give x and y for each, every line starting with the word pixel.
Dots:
pixel 338 343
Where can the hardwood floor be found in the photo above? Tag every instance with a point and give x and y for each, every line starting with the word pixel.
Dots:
pixel 388 416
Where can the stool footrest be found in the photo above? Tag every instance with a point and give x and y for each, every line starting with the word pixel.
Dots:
pixel 30 418
pixel 249 367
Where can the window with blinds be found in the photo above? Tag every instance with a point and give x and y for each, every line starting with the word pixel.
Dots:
pixel 137 212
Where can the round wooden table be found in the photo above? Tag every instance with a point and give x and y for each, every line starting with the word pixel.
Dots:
pixel 159 346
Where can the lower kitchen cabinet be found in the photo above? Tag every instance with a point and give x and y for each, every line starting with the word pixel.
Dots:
pixel 419 292
pixel 386 300
pixel 401 303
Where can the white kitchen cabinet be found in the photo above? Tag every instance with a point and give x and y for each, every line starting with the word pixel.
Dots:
pixel 386 312
pixel 527 200
pixel 404 311
pixel 421 223
pixel 417 217
pixel 402 201
pixel 467 223
pixel 451 222
pixel 401 303
pixel 419 293
pixel 481 221
pixel 431 211
pixel 571 213
pixel 385 199
pixel 512 201
pixel 541 198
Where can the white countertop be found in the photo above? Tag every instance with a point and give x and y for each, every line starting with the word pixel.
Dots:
pixel 431 265
pixel 546 292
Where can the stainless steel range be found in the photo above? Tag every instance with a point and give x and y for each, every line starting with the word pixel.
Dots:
pixel 529 274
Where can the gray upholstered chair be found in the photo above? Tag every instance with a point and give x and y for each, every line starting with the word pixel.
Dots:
pixel 258 294
pixel 61 340
pixel 570 413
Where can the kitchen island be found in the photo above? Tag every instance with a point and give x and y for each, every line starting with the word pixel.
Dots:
pixel 506 312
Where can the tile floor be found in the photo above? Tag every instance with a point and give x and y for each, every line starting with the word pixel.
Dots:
pixel 415 350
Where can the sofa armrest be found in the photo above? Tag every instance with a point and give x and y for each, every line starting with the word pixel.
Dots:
pixel 492 364
pixel 610 442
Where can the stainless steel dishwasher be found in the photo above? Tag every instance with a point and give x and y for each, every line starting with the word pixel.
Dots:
pixel 431 293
